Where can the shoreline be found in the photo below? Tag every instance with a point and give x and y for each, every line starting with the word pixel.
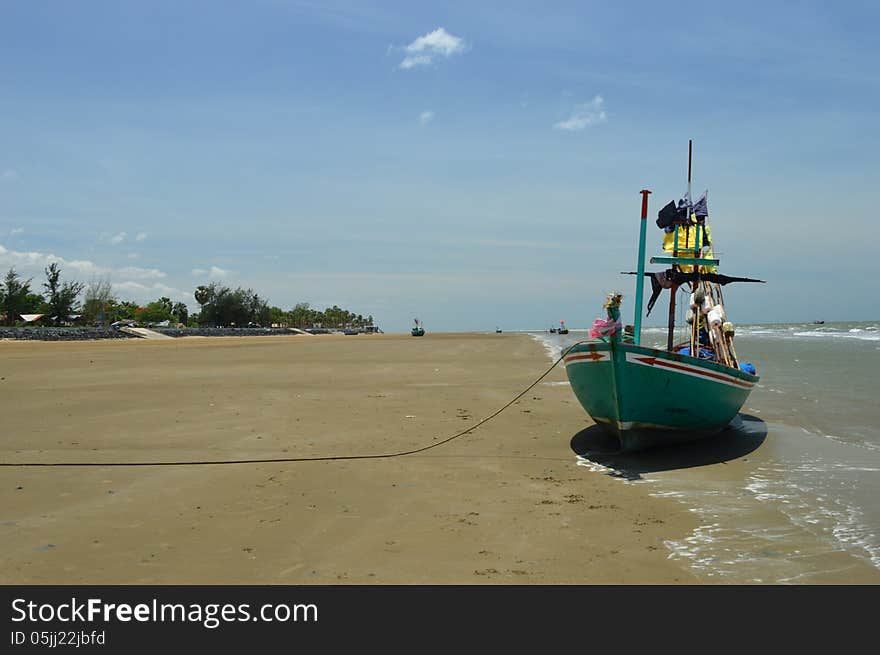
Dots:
pixel 68 334
pixel 505 504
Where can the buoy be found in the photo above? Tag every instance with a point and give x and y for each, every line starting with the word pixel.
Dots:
pixel 716 316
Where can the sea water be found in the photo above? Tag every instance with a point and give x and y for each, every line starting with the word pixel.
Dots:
pixel 791 493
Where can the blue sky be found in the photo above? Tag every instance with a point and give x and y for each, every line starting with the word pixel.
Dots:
pixel 472 164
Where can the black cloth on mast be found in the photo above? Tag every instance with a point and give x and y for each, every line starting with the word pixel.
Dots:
pixel 667 215
pixel 701 207
pixel 677 277
pixel 659 281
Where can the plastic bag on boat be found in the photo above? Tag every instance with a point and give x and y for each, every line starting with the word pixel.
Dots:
pixel 604 327
pixel 704 354
pixel 748 367
pixel 609 326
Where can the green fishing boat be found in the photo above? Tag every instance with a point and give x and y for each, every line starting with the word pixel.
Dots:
pixel 418 329
pixel 648 396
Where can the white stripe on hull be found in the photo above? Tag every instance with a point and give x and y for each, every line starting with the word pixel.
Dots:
pixel 687 369
pixel 626 426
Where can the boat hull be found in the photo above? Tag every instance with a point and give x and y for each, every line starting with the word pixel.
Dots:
pixel 648 397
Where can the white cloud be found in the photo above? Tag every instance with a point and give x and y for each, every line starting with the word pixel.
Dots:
pixel 35 262
pixel 85 267
pixel 425 49
pixel 16 230
pixel 412 62
pixel 437 42
pixel 140 236
pixel 9 175
pixel 591 113
pixel 426 117
pixel 214 271
pixel 148 292
pixel 113 239
pixel 141 273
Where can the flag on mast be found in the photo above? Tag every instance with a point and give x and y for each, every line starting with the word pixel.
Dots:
pixel 701 207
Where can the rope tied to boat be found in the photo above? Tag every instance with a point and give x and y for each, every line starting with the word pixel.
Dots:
pixel 281 460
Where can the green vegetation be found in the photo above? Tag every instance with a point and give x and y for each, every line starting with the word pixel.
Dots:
pixel 224 307
pixel 60 297
pixel 303 316
pixel 16 297
pixel 99 302
pixel 220 306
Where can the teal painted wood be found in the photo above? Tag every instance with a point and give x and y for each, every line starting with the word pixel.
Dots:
pixel 647 396
pixel 640 275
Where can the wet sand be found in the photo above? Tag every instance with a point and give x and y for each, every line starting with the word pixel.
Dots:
pixel 505 504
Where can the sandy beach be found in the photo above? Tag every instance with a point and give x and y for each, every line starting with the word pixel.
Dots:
pixel 505 504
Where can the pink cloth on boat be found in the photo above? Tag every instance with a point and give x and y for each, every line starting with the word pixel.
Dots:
pixel 604 327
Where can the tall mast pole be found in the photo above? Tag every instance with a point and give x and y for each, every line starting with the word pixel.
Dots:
pixel 690 155
pixel 671 324
pixel 672 291
pixel 640 280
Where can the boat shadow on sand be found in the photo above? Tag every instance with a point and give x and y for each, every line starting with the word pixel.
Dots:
pixel 744 435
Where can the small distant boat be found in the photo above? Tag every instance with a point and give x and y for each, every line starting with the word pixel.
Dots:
pixel 651 396
pixel 562 328
pixel 818 322
pixel 498 330
pixel 418 329
pixel 553 330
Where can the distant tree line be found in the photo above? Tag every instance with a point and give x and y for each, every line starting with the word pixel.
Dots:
pixel 304 316
pixel 222 306
pixel 219 306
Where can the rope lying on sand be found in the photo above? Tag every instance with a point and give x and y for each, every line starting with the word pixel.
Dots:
pixel 327 458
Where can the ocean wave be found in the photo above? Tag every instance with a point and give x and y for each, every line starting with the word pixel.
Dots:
pixel 865 331
pixel 862 333
pixel 822 514
pixel 839 335
pixel 551 345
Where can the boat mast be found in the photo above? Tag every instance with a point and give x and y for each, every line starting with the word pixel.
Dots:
pixel 674 289
pixel 690 155
pixel 671 324
pixel 640 280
